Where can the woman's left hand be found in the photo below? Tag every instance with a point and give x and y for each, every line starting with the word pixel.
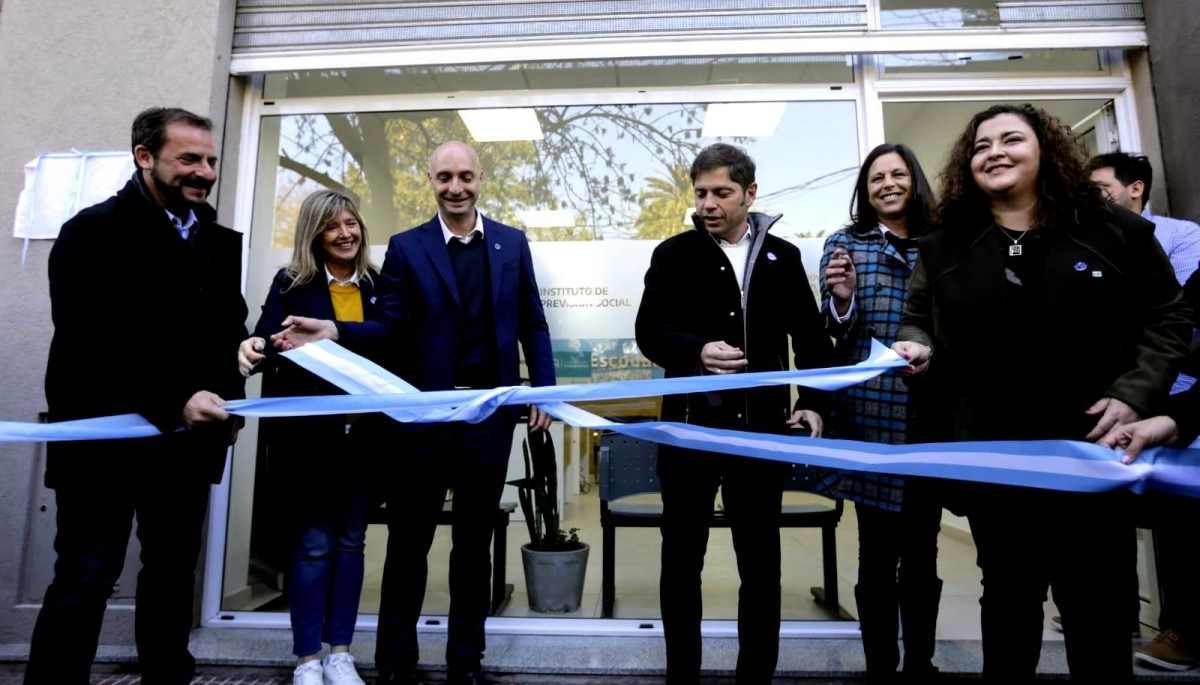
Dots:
pixel 1134 437
pixel 809 418
pixel 1113 413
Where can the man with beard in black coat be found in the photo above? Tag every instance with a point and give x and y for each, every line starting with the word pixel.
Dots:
pixel 145 294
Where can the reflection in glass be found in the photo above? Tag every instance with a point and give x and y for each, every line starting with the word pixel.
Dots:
pixel 938 14
pixel 597 172
pixel 1008 62
pixel 590 74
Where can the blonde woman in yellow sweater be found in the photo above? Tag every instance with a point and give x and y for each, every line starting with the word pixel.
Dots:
pixel 321 481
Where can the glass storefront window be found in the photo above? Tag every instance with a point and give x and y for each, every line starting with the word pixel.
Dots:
pixel 593 172
pixel 623 73
pixel 975 64
pixel 596 187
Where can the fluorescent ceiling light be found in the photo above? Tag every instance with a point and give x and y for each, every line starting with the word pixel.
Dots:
pixel 497 125
pixel 547 218
pixel 742 119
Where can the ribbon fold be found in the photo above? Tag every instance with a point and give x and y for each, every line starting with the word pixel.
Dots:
pixel 1048 464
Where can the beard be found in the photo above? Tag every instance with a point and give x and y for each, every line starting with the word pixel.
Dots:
pixel 174 193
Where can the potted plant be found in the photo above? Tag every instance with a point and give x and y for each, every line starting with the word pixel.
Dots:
pixel 555 560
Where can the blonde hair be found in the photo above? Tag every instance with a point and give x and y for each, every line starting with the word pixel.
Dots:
pixel 308 255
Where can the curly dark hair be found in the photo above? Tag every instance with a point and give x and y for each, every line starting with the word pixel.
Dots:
pixel 863 216
pixel 1065 193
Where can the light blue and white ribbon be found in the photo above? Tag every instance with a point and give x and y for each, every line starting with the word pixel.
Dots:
pixel 365 381
pixel 373 389
pixel 1051 464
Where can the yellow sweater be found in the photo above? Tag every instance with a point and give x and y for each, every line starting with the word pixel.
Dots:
pixel 347 302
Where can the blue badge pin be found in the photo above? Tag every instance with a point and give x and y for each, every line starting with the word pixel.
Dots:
pixel 497 246
pixel 771 256
pixel 372 300
pixel 1081 266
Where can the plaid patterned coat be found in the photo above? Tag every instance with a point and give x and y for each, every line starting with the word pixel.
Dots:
pixel 877 410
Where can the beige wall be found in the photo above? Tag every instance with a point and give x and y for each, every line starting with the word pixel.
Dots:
pixel 1174 59
pixel 73 75
pixel 1147 113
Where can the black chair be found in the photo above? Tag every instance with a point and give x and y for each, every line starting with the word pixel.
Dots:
pixel 628 468
pixel 501 589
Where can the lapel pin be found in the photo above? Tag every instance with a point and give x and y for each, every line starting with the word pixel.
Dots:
pixel 497 246
pixel 1097 274
pixel 1081 266
pixel 771 256
pixel 372 300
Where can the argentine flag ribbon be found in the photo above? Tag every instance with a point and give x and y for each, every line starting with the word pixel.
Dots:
pixel 1049 464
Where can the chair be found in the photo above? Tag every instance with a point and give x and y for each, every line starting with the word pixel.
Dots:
pixel 628 467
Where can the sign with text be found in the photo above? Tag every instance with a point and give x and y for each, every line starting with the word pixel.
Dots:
pixel 591 291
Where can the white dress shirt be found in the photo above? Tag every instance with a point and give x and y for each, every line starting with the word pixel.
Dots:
pixel 465 239
pixel 330 278
pixel 737 254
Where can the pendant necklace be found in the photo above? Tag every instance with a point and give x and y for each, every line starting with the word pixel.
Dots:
pixel 1014 250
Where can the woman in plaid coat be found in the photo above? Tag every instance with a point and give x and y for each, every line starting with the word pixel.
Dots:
pixel 865 271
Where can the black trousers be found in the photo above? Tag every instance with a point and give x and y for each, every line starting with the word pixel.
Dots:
pixel 473 460
pixel 752 493
pixel 94 522
pixel 1077 544
pixel 898 583
pixel 1176 522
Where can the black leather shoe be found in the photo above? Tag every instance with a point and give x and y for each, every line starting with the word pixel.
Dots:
pixel 475 678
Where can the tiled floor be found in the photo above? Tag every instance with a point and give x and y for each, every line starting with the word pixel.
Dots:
pixel 637 573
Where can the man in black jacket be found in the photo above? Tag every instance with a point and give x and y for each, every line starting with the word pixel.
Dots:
pixel 145 294
pixel 699 315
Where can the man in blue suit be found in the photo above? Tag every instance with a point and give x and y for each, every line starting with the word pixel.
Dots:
pixel 456 296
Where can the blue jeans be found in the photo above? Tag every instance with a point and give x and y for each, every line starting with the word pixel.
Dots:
pixel 326 574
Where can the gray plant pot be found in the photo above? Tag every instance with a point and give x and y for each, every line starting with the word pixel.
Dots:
pixel 554 580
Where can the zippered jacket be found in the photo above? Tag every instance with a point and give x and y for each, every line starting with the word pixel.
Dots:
pixel 692 298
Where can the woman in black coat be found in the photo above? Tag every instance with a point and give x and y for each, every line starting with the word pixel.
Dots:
pixel 323 480
pixel 1042 312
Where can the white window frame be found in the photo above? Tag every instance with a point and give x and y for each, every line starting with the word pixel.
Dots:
pixel 869 92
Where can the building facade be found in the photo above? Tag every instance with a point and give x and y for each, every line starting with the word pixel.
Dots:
pixel 586 115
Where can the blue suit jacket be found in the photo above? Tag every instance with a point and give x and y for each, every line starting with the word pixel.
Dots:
pixel 417 297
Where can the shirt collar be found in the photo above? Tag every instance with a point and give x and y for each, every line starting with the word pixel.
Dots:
pixel 477 230
pixel 746 237
pixel 330 278
pixel 1146 212
pixel 179 223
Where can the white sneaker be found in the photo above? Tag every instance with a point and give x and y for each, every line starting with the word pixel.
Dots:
pixel 308 673
pixel 339 670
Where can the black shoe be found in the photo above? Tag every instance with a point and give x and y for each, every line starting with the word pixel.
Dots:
pixel 475 678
